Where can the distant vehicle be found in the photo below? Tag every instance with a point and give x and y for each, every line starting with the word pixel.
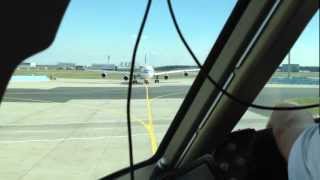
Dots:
pixel 147 72
pixel 65 68
pixel 69 68
pixel 80 68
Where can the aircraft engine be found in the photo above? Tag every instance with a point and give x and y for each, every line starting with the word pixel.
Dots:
pixel 186 74
pixel 166 77
pixel 126 78
pixel 103 75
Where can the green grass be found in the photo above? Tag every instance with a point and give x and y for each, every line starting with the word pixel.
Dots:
pixel 296 74
pixel 69 74
pixel 307 101
pixel 76 74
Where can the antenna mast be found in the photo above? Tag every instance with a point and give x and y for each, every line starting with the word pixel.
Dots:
pixel 145 59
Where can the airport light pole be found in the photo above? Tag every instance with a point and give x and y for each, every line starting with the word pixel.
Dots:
pixel 145 59
pixel 289 64
pixel 108 59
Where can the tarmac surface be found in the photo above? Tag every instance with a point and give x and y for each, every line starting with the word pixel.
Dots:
pixel 268 96
pixel 76 129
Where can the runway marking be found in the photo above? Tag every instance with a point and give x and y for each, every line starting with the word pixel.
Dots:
pixel 135 119
pixel 69 139
pixel 52 130
pixel 149 125
pixel 25 99
pixel 25 93
pixel 166 95
pixel 66 124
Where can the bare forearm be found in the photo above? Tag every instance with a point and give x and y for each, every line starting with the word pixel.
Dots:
pixel 287 126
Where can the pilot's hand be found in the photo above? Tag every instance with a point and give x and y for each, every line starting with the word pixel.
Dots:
pixel 287 126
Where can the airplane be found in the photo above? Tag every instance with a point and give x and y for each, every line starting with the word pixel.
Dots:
pixel 147 72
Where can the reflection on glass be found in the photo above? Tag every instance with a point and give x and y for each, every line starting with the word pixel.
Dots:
pixel 295 81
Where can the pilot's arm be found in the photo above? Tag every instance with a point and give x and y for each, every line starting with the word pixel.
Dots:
pixel 298 139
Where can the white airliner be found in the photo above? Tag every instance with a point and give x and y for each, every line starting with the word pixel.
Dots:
pixel 147 72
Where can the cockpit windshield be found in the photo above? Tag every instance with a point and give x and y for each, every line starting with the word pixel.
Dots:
pixel 64 108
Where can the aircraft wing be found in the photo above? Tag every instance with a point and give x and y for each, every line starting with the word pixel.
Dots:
pixel 175 71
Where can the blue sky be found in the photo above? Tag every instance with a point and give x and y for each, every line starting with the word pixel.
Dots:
pixel 93 30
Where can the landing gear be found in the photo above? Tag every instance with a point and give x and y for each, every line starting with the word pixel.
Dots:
pixel 134 81
pixel 156 79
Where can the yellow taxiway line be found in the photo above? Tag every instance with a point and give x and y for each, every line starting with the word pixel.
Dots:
pixel 149 125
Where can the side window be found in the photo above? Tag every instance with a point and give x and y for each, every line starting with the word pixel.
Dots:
pixel 295 81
